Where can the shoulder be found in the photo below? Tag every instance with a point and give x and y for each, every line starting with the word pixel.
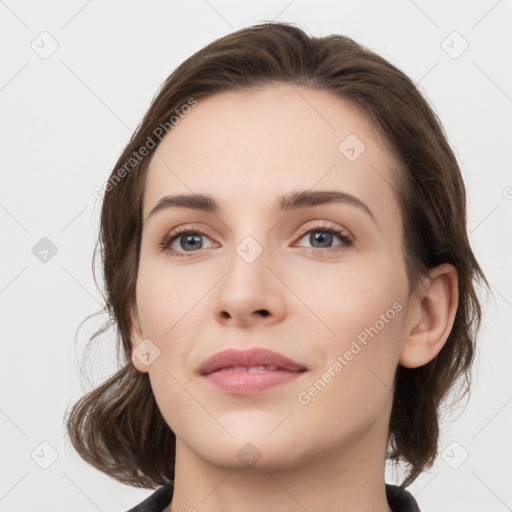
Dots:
pixel 401 500
pixel 157 501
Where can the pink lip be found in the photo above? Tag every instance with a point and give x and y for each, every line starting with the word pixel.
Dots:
pixel 253 357
pixel 217 370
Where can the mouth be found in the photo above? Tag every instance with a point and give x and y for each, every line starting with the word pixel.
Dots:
pixel 251 371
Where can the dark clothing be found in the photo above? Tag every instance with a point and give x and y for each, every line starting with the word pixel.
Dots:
pixel 399 499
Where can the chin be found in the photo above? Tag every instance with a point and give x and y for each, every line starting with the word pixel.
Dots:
pixel 249 450
pixel 249 458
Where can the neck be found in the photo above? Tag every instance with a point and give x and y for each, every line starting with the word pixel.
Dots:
pixel 349 477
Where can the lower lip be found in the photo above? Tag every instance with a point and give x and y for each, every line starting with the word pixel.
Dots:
pixel 248 383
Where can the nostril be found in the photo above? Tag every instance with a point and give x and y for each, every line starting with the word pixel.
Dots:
pixel 263 312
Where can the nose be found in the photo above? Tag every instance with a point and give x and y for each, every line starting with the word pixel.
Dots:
pixel 250 292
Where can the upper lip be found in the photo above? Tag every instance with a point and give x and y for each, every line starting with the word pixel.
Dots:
pixel 252 357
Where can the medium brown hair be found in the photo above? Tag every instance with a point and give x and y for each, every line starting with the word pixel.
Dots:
pixel 118 427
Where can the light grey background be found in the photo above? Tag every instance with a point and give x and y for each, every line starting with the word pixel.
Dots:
pixel 67 116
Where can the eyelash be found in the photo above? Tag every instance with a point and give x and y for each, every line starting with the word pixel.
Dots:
pixel 346 240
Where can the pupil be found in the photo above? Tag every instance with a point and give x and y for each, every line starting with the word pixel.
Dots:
pixel 322 237
pixel 188 238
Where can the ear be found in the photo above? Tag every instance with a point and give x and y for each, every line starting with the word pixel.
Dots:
pixel 432 317
pixel 137 337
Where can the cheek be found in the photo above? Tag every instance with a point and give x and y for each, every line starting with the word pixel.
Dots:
pixel 168 314
pixel 353 297
pixel 355 381
pixel 165 295
pixel 363 314
pixel 167 304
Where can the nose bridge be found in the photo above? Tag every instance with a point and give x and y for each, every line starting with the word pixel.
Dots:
pixel 249 285
pixel 249 259
pixel 250 237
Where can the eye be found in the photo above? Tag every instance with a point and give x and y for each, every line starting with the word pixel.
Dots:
pixel 321 237
pixel 188 240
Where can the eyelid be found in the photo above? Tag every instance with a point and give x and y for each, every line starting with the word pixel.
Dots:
pixel 319 225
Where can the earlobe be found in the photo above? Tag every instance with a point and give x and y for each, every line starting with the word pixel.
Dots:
pixel 136 337
pixel 435 310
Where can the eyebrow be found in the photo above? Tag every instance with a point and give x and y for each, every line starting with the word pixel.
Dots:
pixel 284 203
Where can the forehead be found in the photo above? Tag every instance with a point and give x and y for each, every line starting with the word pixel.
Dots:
pixel 246 148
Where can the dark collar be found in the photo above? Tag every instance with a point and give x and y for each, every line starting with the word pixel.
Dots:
pixel 399 499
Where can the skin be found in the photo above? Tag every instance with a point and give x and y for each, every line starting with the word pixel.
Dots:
pixel 245 149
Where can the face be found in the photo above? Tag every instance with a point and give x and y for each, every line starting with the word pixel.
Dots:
pixel 321 282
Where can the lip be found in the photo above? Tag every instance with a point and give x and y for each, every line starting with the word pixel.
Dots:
pixel 218 370
pixel 252 357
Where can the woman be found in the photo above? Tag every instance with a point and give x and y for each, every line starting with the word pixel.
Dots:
pixel 286 260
